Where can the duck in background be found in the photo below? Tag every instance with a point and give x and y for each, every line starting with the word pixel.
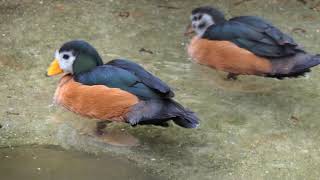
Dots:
pixel 120 90
pixel 245 45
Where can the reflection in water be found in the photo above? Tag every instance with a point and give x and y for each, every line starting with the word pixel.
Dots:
pixel 85 127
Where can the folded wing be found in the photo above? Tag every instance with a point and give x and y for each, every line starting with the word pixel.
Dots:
pixel 144 76
pixel 256 35
pixel 129 77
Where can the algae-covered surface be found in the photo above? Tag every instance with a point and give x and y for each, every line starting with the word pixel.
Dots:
pixel 253 128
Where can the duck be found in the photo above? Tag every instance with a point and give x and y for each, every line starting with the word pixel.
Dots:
pixel 117 91
pixel 245 45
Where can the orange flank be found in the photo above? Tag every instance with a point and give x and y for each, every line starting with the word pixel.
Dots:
pixel 96 101
pixel 226 56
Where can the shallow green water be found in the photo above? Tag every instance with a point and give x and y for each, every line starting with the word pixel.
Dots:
pixel 50 162
pixel 254 128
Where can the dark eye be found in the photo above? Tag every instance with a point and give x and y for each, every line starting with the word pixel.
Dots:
pixel 194 18
pixel 65 56
pixel 200 16
pixel 202 25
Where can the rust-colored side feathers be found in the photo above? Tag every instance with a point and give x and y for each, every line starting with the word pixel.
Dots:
pixel 96 101
pixel 226 56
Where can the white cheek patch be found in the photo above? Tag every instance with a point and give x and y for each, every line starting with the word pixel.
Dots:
pixel 205 19
pixel 208 19
pixel 66 64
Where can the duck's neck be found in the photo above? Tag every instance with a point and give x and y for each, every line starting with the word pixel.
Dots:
pixel 86 63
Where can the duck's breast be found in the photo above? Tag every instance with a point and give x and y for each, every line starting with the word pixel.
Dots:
pixel 96 101
pixel 226 56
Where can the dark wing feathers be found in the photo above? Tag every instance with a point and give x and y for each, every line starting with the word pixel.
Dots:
pixel 132 79
pixel 263 26
pixel 144 76
pixel 254 34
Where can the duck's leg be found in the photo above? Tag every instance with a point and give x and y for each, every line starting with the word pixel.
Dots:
pixel 232 76
pixel 101 126
pixel 113 136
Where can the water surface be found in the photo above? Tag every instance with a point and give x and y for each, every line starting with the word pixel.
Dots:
pixel 254 128
pixel 51 162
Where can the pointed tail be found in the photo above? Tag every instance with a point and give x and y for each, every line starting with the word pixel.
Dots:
pixel 159 111
pixel 183 117
pixel 304 66
pixel 295 66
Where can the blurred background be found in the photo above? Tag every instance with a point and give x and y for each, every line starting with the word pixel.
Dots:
pixel 253 128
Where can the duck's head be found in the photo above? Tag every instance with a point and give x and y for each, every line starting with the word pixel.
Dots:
pixel 202 18
pixel 74 57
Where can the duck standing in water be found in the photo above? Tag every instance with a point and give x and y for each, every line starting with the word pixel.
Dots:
pixel 245 45
pixel 119 90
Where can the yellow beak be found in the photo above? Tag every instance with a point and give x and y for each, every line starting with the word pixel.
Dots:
pixel 54 68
